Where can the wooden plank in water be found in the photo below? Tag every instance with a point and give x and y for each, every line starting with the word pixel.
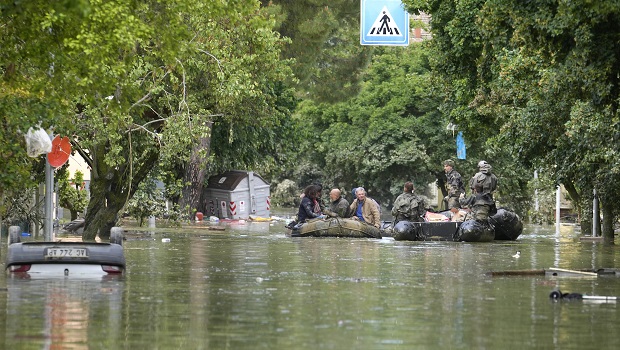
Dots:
pixel 555 272
pixel 212 228
pixel 517 273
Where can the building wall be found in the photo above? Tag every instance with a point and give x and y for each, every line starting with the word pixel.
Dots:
pixel 421 26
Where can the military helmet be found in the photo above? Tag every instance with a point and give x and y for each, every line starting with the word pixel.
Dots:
pixel 484 167
pixel 449 162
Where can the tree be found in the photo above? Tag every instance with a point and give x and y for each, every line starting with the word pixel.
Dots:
pixel 543 74
pixel 125 78
pixel 71 192
pixel 328 60
pixel 388 134
pixel 147 201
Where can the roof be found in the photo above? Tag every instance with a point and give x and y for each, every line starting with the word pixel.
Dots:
pixel 229 180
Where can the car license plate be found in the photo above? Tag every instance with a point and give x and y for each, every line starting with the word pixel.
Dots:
pixel 66 253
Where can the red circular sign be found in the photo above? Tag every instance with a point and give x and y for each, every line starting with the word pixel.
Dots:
pixel 61 150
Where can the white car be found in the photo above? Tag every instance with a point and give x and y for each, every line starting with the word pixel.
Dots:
pixel 52 259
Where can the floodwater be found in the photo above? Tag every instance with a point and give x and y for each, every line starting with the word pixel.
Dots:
pixel 252 287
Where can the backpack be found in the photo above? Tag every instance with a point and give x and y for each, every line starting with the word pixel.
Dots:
pixel 408 208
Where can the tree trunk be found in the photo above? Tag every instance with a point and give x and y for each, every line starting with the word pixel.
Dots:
pixel 441 183
pixel 103 208
pixel 583 206
pixel 191 199
pixel 608 221
pixel 111 188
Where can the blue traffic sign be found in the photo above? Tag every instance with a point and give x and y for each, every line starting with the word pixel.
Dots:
pixel 384 22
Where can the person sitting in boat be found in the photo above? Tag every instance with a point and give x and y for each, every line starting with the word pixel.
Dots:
pixel 338 206
pixel 365 209
pixel 482 185
pixel 319 205
pixel 309 207
pixel 408 206
pixel 372 199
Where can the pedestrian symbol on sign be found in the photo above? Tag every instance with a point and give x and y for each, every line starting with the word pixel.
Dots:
pixel 384 25
pixel 384 22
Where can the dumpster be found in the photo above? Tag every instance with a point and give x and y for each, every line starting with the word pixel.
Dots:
pixel 237 194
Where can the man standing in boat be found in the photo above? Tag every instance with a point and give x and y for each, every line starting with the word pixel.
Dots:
pixel 408 206
pixel 454 186
pixel 338 206
pixel 482 185
pixel 364 209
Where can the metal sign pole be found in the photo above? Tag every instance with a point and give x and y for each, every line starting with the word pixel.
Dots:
pixel 49 191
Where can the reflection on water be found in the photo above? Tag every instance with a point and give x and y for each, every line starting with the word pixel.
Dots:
pixel 252 287
pixel 57 313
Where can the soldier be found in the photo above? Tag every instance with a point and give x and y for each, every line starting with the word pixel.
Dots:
pixel 408 206
pixel 482 185
pixel 454 185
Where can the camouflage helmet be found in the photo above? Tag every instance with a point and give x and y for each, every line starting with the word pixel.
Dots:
pixel 484 167
pixel 448 162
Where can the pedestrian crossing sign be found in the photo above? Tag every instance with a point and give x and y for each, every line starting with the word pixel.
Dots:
pixel 384 22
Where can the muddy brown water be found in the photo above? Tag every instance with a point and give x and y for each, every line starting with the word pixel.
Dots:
pixel 249 286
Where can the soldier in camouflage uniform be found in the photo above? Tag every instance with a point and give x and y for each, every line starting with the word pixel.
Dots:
pixel 454 186
pixel 482 185
pixel 408 206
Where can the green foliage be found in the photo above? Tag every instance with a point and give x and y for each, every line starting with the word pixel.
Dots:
pixel 71 192
pixel 542 190
pixel 539 79
pixel 147 201
pixel 285 193
pixel 388 134
pixel 130 80
pixel 328 60
pixel 21 210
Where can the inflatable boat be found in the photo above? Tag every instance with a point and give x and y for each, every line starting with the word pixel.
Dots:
pixel 335 227
pixel 504 225
pixel 508 226
pixel 425 231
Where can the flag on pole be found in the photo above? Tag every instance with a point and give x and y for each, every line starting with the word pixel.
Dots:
pixel 461 152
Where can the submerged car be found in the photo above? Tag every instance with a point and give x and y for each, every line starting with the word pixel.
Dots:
pixel 49 259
